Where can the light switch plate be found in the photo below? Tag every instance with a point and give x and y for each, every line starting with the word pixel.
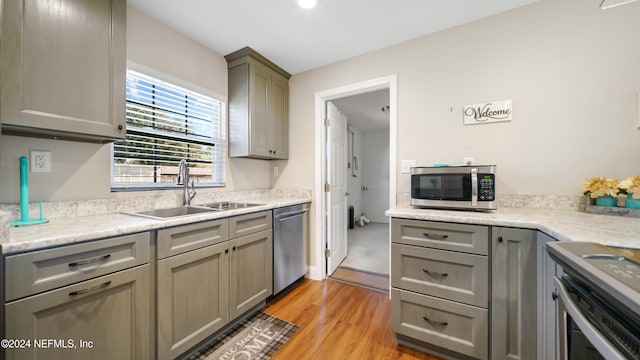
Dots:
pixel 406 165
pixel 40 161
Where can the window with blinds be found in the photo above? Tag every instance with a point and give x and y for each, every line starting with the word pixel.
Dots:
pixel 165 124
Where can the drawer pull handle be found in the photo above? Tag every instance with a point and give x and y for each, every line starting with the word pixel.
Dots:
pixel 90 261
pixel 435 323
pixel 435 274
pixel 95 288
pixel 435 236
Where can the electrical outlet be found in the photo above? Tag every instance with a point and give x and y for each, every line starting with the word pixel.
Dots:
pixel 405 166
pixel 276 170
pixel 40 161
pixel 468 161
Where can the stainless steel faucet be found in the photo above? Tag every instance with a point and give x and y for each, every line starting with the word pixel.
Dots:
pixel 183 179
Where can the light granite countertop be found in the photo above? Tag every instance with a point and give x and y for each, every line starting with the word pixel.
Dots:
pixel 563 225
pixel 69 230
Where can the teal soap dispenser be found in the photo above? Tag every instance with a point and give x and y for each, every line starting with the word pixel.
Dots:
pixel 24 198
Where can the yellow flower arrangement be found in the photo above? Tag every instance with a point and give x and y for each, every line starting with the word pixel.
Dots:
pixel 600 186
pixel 631 185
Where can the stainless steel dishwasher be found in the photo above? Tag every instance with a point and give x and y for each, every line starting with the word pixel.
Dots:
pixel 289 237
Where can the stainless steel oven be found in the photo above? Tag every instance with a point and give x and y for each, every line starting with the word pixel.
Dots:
pixel 598 301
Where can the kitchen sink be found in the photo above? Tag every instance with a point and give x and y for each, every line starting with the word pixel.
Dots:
pixel 174 212
pixel 227 205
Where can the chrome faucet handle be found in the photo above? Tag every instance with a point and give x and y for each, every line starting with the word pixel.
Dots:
pixel 192 192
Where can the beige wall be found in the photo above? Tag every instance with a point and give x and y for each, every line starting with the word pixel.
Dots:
pixel 81 171
pixel 572 71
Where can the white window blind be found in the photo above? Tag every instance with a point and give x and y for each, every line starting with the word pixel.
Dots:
pixel 167 123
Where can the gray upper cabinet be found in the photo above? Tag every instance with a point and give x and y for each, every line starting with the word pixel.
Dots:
pixel 63 69
pixel 258 107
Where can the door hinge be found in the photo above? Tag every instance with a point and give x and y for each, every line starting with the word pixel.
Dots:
pixel 327 252
pixel 327 122
pixel 327 187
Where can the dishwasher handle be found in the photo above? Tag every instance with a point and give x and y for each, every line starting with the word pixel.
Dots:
pixel 287 216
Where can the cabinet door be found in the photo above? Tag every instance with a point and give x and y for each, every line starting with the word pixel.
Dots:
pixel 192 298
pixel 251 271
pixel 103 318
pixel 514 294
pixel 259 88
pixel 63 68
pixel 547 318
pixel 279 117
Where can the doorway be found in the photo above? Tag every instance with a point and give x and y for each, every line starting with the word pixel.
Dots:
pixel 367 177
pixel 326 237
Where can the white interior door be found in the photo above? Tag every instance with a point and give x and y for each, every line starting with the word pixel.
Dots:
pixel 337 196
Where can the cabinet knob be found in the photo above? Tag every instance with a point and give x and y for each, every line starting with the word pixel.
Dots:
pixel 500 239
pixel 120 127
pixel 233 248
pixel 226 251
pixel 554 295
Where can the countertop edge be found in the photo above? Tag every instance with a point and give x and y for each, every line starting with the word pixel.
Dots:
pixel 562 225
pixel 67 231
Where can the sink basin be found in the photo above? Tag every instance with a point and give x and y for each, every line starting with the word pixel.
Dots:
pixel 227 205
pixel 174 212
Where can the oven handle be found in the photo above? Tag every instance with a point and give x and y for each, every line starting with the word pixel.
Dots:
pixel 597 340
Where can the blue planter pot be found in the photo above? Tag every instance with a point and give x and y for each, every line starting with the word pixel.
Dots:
pixel 632 203
pixel 606 201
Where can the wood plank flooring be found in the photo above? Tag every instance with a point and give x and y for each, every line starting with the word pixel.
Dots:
pixel 338 321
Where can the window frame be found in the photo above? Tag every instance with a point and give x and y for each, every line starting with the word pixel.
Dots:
pixel 117 186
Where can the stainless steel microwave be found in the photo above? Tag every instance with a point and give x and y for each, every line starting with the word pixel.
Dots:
pixel 470 187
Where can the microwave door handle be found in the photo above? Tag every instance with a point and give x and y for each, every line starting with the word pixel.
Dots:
pixel 474 187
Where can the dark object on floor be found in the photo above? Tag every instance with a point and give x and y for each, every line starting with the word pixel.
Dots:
pixel 352 214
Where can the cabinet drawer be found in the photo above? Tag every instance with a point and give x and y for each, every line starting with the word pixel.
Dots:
pixel 180 239
pixel 453 326
pixel 38 271
pixel 472 239
pixel 112 311
pixel 250 223
pixel 445 274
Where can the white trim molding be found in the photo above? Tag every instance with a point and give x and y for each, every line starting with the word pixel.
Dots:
pixel 318 272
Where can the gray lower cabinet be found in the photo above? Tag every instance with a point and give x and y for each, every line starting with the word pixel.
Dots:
pixel 439 287
pixel 208 274
pixel 193 298
pixel 471 291
pixel 63 69
pixel 548 348
pixel 514 294
pixel 251 271
pixel 104 316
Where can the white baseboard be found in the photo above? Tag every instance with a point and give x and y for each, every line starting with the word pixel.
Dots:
pixel 315 273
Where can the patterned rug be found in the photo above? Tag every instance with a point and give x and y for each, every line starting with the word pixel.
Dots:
pixel 257 337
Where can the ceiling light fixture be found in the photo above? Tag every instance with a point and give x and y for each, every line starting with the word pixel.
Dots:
pixel 308 4
pixel 608 4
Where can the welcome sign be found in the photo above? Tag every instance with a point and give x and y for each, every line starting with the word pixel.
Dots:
pixel 495 111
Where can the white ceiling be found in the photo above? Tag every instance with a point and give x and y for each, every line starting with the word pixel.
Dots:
pixel 298 40
pixel 364 112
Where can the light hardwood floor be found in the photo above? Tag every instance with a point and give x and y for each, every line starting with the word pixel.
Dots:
pixel 338 321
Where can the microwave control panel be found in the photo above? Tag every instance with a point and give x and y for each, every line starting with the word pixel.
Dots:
pixel 486 187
